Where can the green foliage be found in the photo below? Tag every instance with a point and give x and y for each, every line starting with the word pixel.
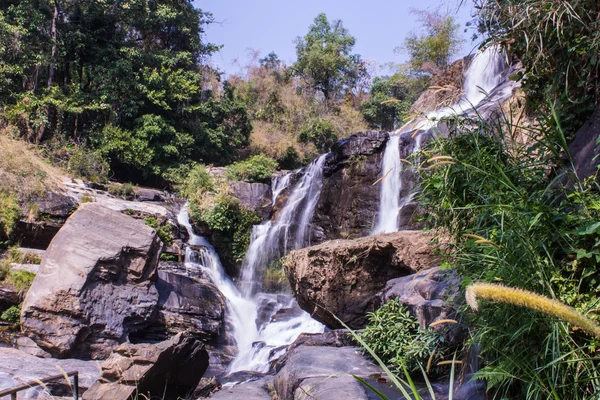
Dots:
pixel 557 44
pixel 124 190
pixel 510 224
pixel 290 159
pixel 319 132
pixel 9 213
pixel 257 168
pixel 89 165
pixel 431 51
pixel 21 280
pixel 226 217
pixel 12 314
pixel 163 231
pixel 325 60
pixel 395 336
pixel 197 182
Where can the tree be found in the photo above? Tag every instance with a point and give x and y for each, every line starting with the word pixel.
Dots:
pixel 271 61
pixel 430 51
pixel 325 61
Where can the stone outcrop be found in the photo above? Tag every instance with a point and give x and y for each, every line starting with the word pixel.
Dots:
pixel 167 370
pixel 584 150
pixel 95 285
pixel 429 295
pixel 341 277
pixel 349 202
pixel 42 219
pixel 17 367
pixel 254 196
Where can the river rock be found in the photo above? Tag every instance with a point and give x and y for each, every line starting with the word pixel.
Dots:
pixel 324 373
pixel 167 370
pixel 254 196
pixel 95 285
pixel 340 277
pixel 255 390
pixel 429 295
pixel 17 367
pixel 349 203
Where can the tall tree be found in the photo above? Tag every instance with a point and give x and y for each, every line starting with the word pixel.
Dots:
pixel 325 60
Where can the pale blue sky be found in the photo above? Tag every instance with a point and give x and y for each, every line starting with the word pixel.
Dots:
pixel 272 25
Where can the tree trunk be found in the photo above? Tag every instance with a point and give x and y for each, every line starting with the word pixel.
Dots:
pixel 51 71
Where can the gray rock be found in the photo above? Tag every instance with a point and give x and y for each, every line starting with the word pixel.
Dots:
pixel 254 196
pixel 429 295
pixel 323 373
pixel 9 296
pixel 26 345
pixel 254 390
pixel 340 277
pixel 17 367
pixel 95 285
pixel 583 149
pixel 166 370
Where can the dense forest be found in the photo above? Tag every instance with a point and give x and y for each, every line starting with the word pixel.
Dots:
pixel 125 91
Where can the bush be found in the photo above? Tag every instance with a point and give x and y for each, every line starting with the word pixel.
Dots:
pixel 321 133
pixel 255 169
pixel 21 280
pixel 124 190
pixel 88 165
pixel 12 314
pixel 290 159
pixel 197 182
pixel 163 231
pixel 395 336
pixel 9 213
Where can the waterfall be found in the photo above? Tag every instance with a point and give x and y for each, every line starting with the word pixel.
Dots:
pixel 485 87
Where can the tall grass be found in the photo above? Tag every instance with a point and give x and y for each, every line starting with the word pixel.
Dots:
pixel 514 217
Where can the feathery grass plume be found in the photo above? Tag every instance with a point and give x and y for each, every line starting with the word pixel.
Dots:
pixel 534 301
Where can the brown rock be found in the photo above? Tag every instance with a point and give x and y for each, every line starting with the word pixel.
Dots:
pixel 254 196
pixel 95 285
pixel 341 277
pixel 166 370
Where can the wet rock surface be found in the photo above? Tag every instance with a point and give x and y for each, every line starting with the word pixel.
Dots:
pixel 429 295
pixel 168 370
pixel 341 277
pixel 349 203
pixel 95 285
pixel 254 196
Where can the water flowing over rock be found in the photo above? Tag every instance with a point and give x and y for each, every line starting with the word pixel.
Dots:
pixel 486 86
pixel 348 203
pixel 169 370
pixel 95 285
pixel 341 277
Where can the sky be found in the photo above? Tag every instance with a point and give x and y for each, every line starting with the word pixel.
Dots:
pixel 272 25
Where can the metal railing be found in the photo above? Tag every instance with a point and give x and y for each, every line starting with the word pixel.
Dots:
pixel 40 382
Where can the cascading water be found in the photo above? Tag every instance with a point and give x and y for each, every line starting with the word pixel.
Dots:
pixel 485 87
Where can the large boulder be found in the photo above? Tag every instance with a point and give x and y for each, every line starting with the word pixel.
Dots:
pixel 349 203
pixel 340 277
pixel 17 367
pixel 167 370
pixel 321 373
pixel 430 296
pixel 95 285
pixel 254 196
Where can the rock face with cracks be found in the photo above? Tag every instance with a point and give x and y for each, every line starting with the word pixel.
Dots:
pixel 95 285
pixel 340 277
pixel 167 370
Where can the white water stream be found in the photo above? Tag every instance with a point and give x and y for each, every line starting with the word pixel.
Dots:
pixel 485 87
pixel 258 344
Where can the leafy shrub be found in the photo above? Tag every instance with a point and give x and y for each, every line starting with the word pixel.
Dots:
pixel 163 231
pixel 87 164
pixel 255 169
pixel 197 182
pixel 124 190
pixel 225 216
pixel 21 280
pixel 508 222
pixel 12 314
pixel 319 132
pixel 290 159
pixel 9 213
pixel 396 337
